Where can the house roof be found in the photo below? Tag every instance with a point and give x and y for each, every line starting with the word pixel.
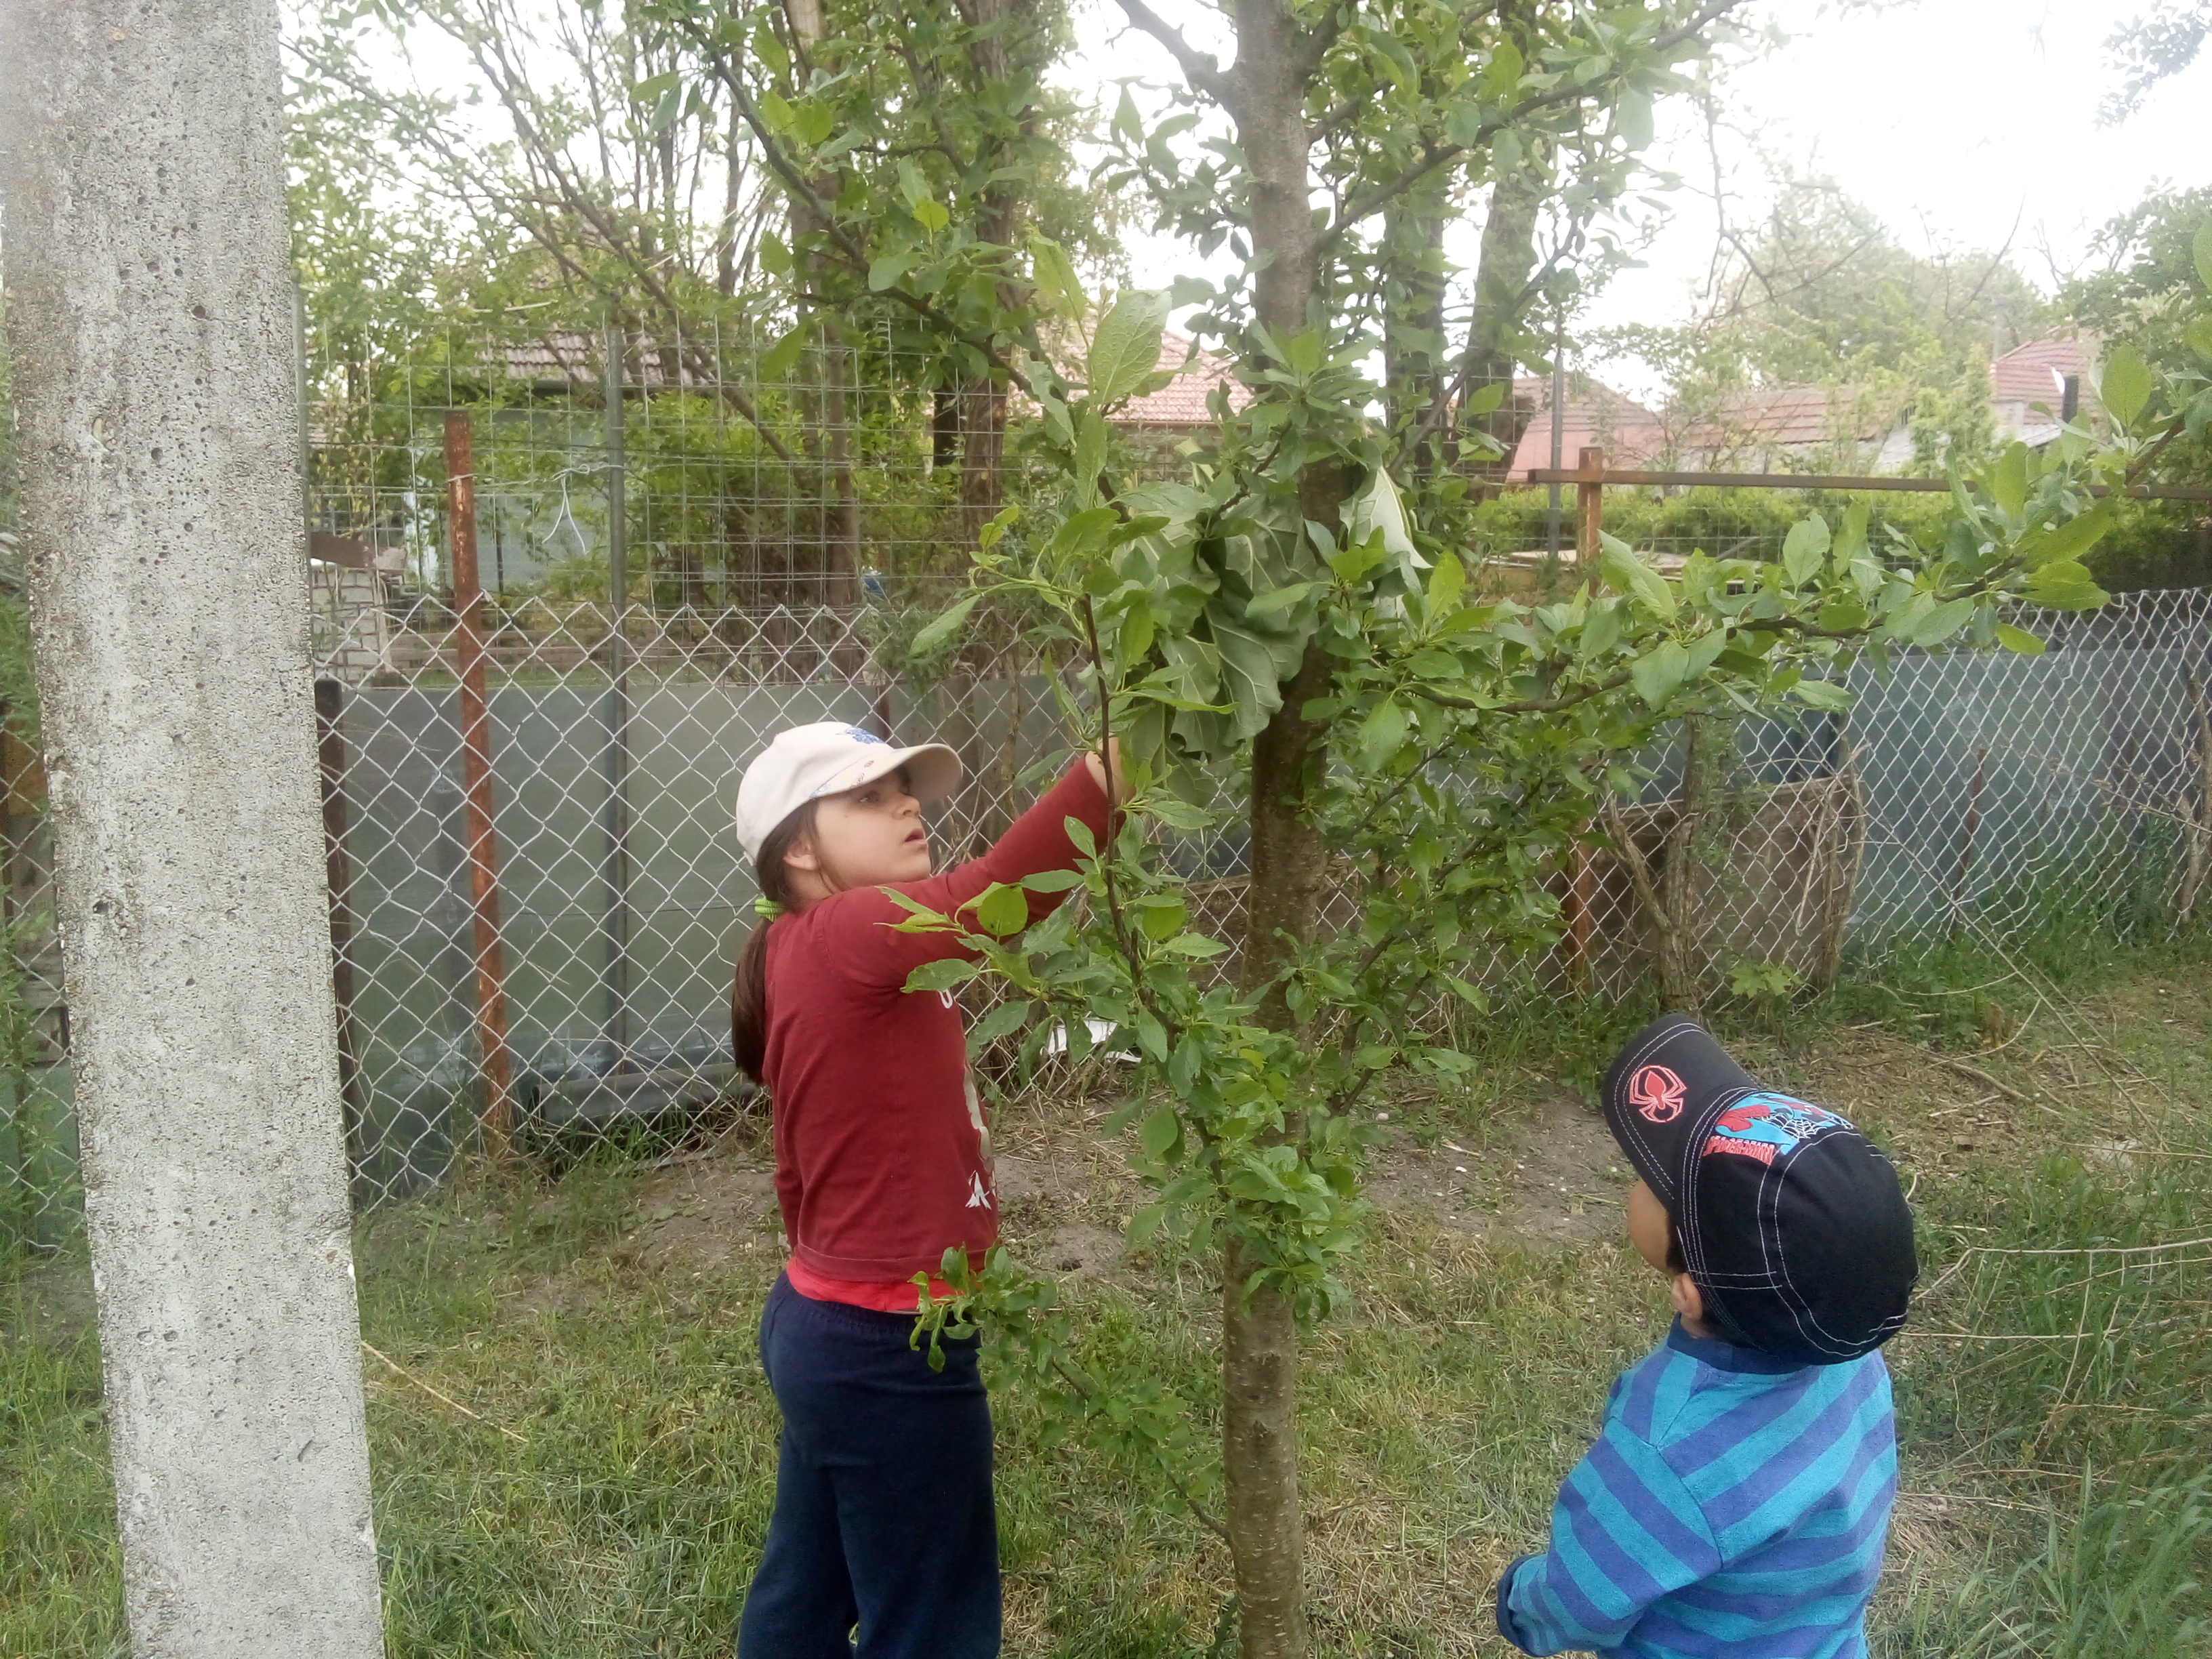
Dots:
pixel 1592 415
pixel 2036 373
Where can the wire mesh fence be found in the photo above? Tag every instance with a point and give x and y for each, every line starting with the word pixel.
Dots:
pixel 1965 793
pixel 536 891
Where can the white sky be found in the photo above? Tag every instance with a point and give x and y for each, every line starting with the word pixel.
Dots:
pixel 1951 119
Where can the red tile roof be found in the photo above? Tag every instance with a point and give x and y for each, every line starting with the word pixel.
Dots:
pixel 1593 415
pixel 2036 373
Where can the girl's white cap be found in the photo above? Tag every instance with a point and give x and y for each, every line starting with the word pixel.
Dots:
pixel 809 762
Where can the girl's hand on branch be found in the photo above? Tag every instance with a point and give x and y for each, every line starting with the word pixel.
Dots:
pixel 1116 790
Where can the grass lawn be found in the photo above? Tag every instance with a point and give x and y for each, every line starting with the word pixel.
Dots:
pixel 592 1474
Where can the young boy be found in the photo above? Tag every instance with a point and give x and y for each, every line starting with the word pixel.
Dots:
pixel 1737 1500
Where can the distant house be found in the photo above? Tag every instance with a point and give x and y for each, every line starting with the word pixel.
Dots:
pixel 1785 428
pixel 2052 373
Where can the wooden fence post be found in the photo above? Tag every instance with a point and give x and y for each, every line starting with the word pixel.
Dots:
pixel 1589 506
pixel 476 771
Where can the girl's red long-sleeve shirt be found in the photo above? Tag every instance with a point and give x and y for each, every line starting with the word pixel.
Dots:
pixel 883 1154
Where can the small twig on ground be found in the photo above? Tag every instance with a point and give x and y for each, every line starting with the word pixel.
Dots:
pixel 446 1398
pixel 1981 1077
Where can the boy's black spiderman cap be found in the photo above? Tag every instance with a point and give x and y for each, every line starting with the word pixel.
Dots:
pixel 1792 1223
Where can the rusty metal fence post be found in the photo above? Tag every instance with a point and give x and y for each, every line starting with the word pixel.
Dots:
pixel 483 846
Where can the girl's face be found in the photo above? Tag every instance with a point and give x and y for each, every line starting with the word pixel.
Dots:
pixel 862 838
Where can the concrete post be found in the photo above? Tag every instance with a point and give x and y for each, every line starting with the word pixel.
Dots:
pixel 149 313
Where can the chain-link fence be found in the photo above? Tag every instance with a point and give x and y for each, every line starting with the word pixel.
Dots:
pixel 536 895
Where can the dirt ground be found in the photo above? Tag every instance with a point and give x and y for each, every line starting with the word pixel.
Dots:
pixel 1548 1177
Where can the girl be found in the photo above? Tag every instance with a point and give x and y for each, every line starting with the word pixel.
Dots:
pixel 884 1515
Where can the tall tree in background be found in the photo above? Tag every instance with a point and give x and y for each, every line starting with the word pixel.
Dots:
pixel 149 313
pixel 1818 292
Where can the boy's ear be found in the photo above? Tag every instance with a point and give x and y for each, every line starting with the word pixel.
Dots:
pixel 1682 1291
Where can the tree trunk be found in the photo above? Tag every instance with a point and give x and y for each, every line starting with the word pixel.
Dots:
pixel 1413 338
pixel 1501 302
pixel 831 438
pixel 981 399
pixel 1290 864
pixel 149 311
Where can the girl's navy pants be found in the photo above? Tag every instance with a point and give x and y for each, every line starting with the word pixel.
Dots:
pixel 884 1527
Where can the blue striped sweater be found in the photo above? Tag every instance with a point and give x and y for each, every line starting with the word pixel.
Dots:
pixel 1733 1505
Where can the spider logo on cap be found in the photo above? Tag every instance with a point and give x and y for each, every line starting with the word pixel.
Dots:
pixel 1656 1093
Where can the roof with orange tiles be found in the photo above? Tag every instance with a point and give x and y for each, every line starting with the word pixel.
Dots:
pixel 1591 416
pixel 2037 373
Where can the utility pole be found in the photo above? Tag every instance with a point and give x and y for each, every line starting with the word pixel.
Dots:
pixel 149 313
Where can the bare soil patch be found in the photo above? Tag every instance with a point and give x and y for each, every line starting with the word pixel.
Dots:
pixel 1549 1178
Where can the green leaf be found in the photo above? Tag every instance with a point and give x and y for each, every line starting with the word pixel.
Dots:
pixel 1447 582
pixel 2126 386
pixel 777 360
pixel 2066 586
pixel 1658 674
pixel 943 974
pixel 942 628
pixel 812 120
pixel 1162 915
pixel 1804 549
pixel 1090 444
pixel 2072 539
pixel 2199 335
pixel 1829 695
pixel 1633 119
pixel 2020 640
pixel 1248 674
pixel 1503 73
pixel 912 184
pixel 1470 994
pixel 1161 1133
pixel 1079 836
pixel 775 257
pixel 1482 400
pixel 1179 814
pixel 1353 563
pixel 2200 249
pixel 1382 734
pixel 1850 536
pixel 1126 349
pixel 1288 596
pixel 1127 123
pixel 2007 480
pixel 1941 621
pixel 886 271
pixel 1052 881
pixel 1054 274
pixel 1618 563
pixel 1003 909
pixel 932 215
pixel 1004 1020
pixel 1138 627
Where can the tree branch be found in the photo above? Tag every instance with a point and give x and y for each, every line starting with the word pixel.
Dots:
pixel 1436 155
pixel 1197 68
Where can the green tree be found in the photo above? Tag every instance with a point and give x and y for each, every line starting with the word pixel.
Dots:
pixel 2150 48
pixel 1819 293
pixel 1278 624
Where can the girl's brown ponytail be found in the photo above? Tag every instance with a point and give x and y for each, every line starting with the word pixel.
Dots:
pixel 748 995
